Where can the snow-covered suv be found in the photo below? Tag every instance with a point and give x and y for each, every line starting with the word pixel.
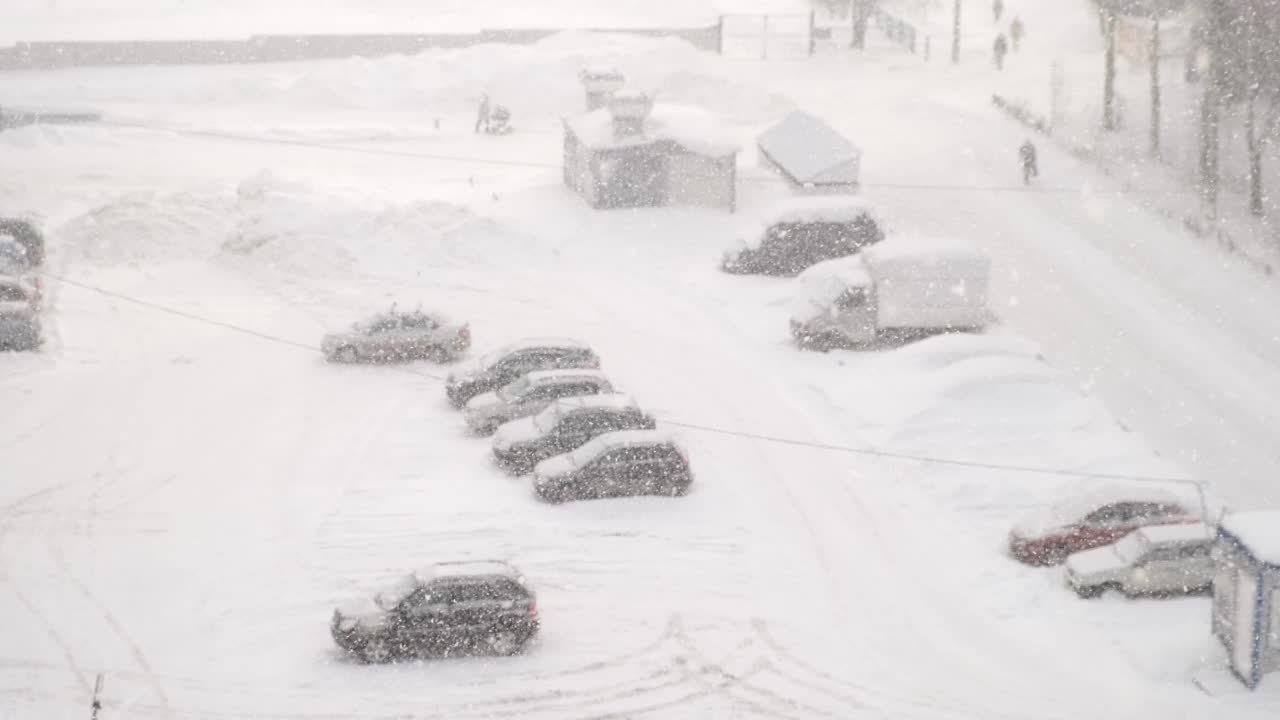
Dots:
pixel 1154 560
pixel 800 232
pixel 531 395
pixel 616 464
pixel 449 608
pixel 563 427
pixel 510 362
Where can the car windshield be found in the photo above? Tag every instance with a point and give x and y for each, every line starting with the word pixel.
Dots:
pixel 391 597
pixel 1132 547
pixel 514 390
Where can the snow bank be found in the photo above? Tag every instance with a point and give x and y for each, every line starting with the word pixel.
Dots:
pixel 149 226
pixel 538 82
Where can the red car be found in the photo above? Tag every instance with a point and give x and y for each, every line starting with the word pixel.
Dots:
pixel 1088 523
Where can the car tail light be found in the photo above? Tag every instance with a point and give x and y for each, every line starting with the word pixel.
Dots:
pixel 464 332
pixel 533 608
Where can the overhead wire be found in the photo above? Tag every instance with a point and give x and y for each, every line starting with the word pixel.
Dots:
pixel 761 437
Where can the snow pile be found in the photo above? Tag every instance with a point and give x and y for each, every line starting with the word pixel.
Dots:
pixel 148 227
pixel 538 83
pixel 301 229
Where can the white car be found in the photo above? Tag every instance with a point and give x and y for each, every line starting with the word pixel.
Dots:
pixel 530 395
pixel 1154 560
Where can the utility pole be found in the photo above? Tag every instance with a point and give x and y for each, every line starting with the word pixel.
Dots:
pixel 955 34
pixel 1155 86
pixel 1109 72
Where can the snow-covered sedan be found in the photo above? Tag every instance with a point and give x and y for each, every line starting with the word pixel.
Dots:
pixel 530 395
pixel 800 232
pixel 509 362
pixel 616 464
pixel 564 426
pixel 1157 560
pixel 448 608
pixel 396 337
pixel 1092 521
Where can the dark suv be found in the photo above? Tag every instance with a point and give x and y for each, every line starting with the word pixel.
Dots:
pixel 450 608
pixel 616 464
pixel 803 232
pixel 564 426
pixel 510 362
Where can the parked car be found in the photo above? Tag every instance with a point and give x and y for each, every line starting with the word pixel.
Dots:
pixel 508 363
pixel 530 395
pixel 564 426
pixel 616 464
pixel 396 337
pixel 20 326
pixel 1156 560
pixel 800 232
pixel 449 608
pixel 22 288
pixel 1091 522
pixel 24 232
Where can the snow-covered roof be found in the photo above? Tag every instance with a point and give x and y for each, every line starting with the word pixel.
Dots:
pixel 563 375
pixel 822 208
pixel 1177 532
pixel 606 401
pixel 466 568
pixel 1259 531
pixel 809 151
pixel 906 255
pixel 692 128
pixel 537 342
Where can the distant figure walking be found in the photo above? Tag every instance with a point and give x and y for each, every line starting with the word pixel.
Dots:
pixel 997 9
pixel 1027 156
pixel 1000 49
pixel 482 115
pixel 1015 32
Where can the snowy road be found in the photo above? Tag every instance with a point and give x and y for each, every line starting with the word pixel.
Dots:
pixel 185 503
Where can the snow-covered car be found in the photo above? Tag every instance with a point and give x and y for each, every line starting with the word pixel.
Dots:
pixel 564 426
pixel 24 233
pixel 801 232
pixel 20 326
pixel 1092 521
pixel 616 464
pixel 398 336
pixel 1157 560
pixel 446 609
pixel 530 395
pixel 508 363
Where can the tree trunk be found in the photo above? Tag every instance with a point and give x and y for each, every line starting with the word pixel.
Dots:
pixel 1209 131
pixel 1155 88
pixel 955 34
pixel 1109 76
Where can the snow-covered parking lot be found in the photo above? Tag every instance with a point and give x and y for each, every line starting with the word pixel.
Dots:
pixel 189 488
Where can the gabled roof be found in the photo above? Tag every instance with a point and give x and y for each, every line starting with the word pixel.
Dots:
pixel 809 151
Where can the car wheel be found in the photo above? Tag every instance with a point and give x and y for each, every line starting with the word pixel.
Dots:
pixel 1089 592
pixel 376 652
pixel 345 354
pixel 504 642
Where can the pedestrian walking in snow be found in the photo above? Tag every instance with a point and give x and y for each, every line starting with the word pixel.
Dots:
pixel 997 9
pixel 482 115
pixel 1015 31
pixel 1027 156
pixel 1000 48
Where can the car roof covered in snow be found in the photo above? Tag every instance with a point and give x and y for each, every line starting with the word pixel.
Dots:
pixel 692 128
pixel 540 342
pixel 1177 532
pixel 604 401
pixel 601 443
pixel 564 375
pixel 466 568
pixel 809 151
pixel 1258 531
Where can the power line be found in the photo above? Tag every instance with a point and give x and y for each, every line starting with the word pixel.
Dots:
pixel 796 442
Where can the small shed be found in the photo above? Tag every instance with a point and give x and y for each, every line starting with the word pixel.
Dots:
pixel 1246 593
pixel 811 155
pixel 634 153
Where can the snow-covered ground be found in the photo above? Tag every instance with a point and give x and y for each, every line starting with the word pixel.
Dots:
pixel 184 503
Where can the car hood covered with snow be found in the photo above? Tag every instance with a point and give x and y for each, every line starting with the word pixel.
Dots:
pixel 516 432
pixel 359 615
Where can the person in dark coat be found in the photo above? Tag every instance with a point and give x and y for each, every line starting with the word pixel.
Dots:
pixel 1027 156
pixel 1000 48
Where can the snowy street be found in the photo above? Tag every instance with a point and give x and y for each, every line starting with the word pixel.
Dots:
pixel 189 489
